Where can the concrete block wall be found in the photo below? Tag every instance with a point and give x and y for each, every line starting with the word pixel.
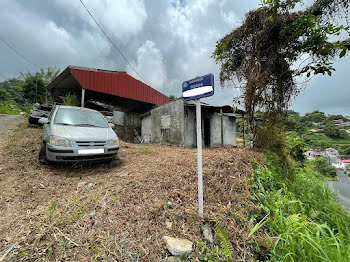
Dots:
pixel 190 131
pixel 146 128
pixel 229 127
pixel 174 134
pixel 215 130
pixel 125 124
pixel 230 131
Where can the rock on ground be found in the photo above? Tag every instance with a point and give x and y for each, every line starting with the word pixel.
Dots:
pixel 207 233
pixel 178 246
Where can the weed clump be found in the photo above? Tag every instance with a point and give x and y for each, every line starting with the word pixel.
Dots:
pixel 146 149
pixel 301 216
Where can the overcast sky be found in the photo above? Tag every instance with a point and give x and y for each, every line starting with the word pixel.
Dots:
pixel 166 41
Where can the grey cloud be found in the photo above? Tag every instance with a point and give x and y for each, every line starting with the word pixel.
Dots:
pixel 180 36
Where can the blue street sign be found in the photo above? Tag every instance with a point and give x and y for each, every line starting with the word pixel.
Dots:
pixel 198 87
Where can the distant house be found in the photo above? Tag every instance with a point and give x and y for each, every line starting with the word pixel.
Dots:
pixel 346 162
pixel 175 123
pixel 331 152
pixel 312 154
pixel 331 155
pixel 338 122
pixel 316 130
pixel 341 122
pixel 342 163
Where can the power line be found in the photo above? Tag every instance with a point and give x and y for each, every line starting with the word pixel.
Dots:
pixel 109 39
pixel 18 53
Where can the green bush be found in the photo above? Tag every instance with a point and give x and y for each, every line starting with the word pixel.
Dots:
pixel 296 146
pixel 300 215
pixel 71 100
pixel 9 107
pixel 321 166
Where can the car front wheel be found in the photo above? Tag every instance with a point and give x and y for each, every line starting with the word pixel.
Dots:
pixel 42 154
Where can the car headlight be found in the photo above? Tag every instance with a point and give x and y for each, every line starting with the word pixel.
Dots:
pixel 59 141
pixel 114 141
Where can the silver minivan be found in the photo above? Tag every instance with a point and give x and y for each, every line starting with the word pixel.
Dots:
pixel 77 134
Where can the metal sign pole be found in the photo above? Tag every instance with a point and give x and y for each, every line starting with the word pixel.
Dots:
pixel 199 157
pixel 194 89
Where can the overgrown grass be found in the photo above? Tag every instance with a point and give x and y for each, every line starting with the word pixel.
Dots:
pixel 147 149
pixel 301 216
pixel 9 108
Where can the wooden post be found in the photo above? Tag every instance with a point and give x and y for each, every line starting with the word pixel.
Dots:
pixel 82 97
pixel 243 129
pixel 222 127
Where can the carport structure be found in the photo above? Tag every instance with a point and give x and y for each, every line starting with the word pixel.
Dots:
pixel 116 89
pixel 107 90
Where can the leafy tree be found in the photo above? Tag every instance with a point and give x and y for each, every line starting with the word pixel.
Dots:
pixel 347 151
pixel 333 131
pixel 315 116
pixel 37 83
pixel 321 165
pixel 343 133
pixel 293 123
pixel 3 95
pixel 34 88
pixel 172 98
pixel 13 88
pixel 45 74
pixel 336 117
pixel 296 146
pixel 263 55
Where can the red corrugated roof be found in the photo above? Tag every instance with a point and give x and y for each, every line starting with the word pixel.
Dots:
pixel 118 84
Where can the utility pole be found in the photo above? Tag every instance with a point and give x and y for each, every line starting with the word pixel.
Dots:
pixel 46 95
pixel 36 87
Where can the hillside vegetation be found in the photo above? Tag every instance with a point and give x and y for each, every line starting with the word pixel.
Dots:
pixel 320 131
pixel 19 93
pixel 301 216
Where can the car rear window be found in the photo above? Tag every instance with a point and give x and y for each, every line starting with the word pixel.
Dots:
pixel 79 117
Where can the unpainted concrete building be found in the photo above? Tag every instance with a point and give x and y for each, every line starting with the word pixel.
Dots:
pixel 175 123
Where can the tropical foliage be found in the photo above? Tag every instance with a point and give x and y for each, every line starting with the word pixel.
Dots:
pixel 277 43
pixel 301 216
pixel 16 93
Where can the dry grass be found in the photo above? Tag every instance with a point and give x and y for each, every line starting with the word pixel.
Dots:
pixel 47 213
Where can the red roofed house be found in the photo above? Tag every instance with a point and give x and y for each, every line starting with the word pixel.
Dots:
pixel 344 163
pixel 107 90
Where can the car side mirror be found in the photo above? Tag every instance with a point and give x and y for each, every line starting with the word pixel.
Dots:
pixel 43 121
pixel 111 125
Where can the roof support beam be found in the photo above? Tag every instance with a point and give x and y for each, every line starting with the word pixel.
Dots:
pixel 82 97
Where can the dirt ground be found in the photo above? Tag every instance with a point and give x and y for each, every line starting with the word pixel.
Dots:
pixel 118 211
pixel 8 121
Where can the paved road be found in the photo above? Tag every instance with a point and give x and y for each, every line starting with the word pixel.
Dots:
pixel 8 121
pixel 343 188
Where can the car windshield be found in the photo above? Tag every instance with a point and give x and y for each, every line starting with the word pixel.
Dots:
pixel 79 117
